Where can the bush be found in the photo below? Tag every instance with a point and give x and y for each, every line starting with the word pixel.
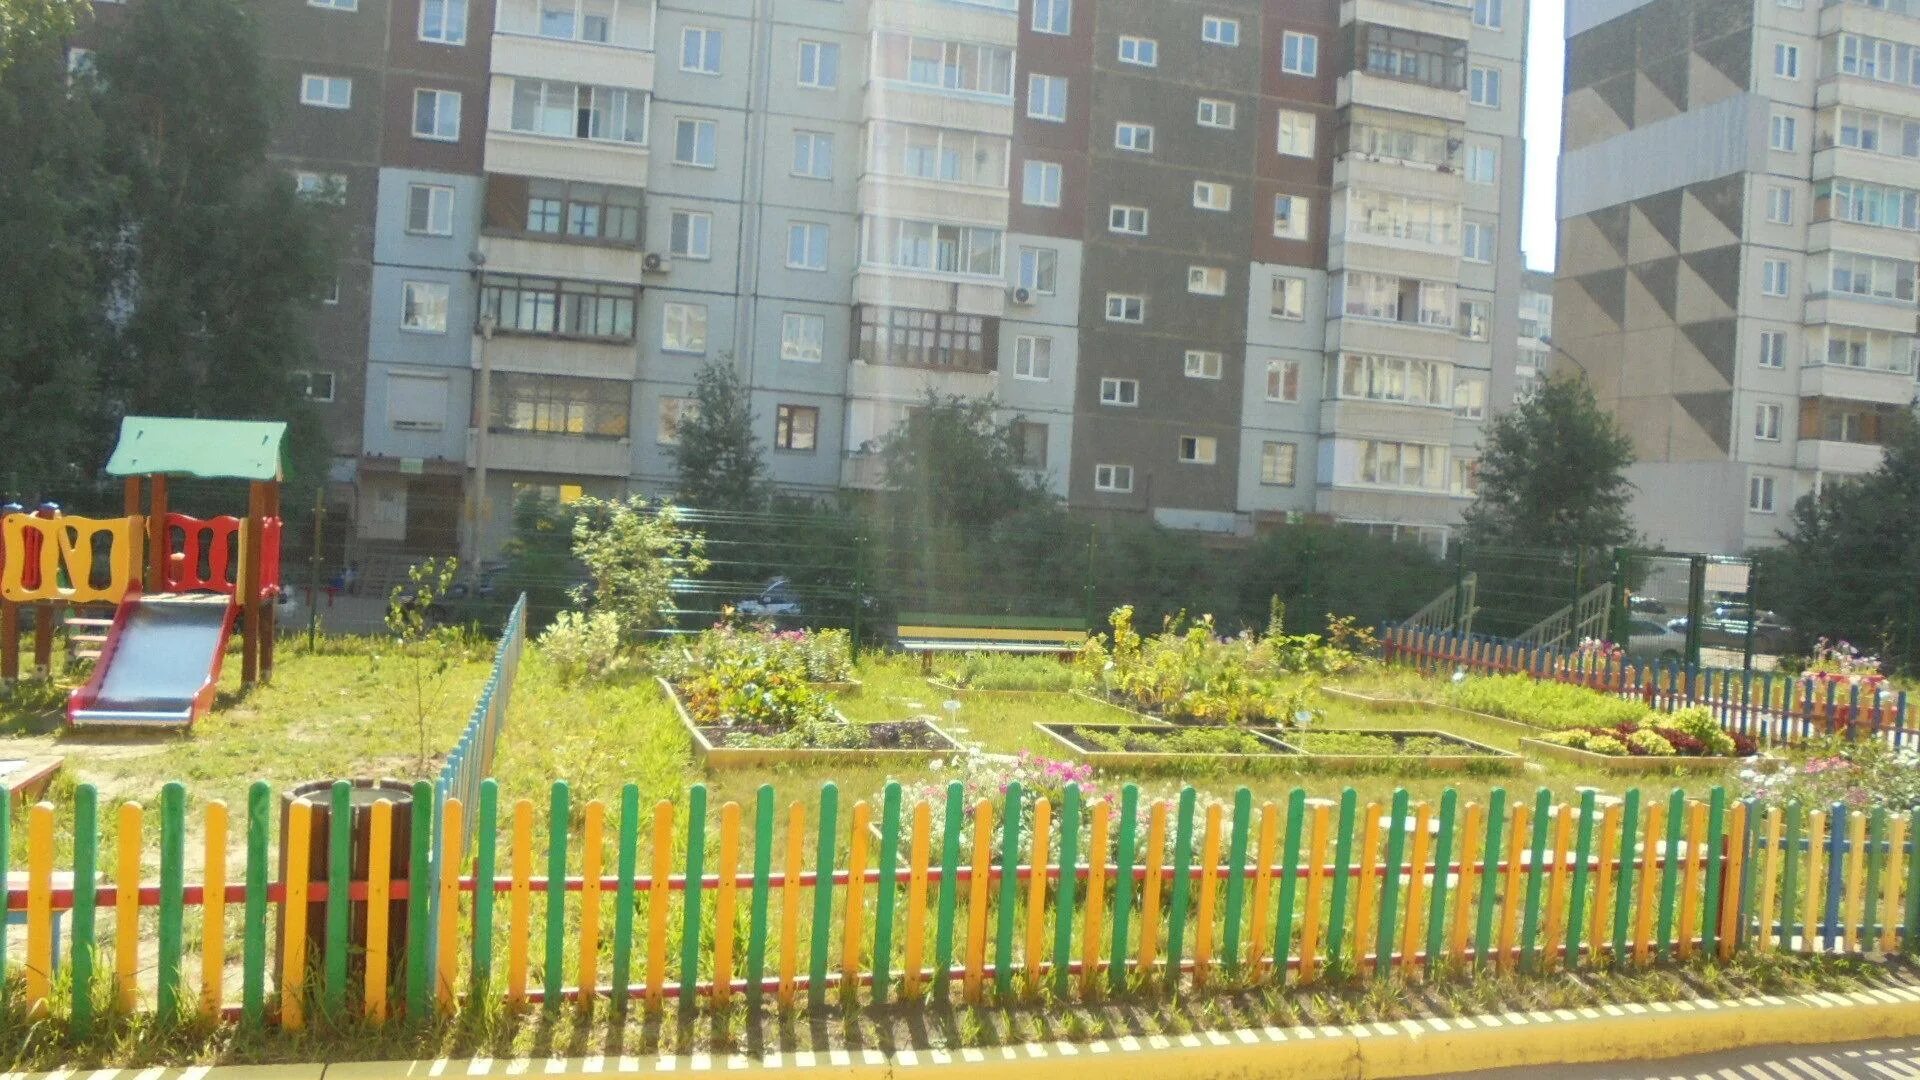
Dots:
pixel 1195 740
pixel 1003 671
pixel 1551 705
pixel 1650 742
pixel 1863 774
pixel 583 645
pixel 748 679
pixel 1653 736
pixel 1187 673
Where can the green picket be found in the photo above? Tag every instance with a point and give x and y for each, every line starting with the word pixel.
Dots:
pixel 1536 877
pixel 690 910
pixel 1289 884
pixel 955 823
pixel 1623 891
pixel 253 971
pixel 1670 869
pixel 173 870
pixel 1749 872
pixel 486 839
pixel 1790 878
pixel 1484 945
pixel 1389 910
pixel 1182 884
pixel 1582 851
pixel 1342 871
pixel 1123 886
pixel 823 896
pixel 628 857
pixel 885 896
pixel 1066 888
pixel 1710 908
pixel 86 851
pixel 420 903
pixel 763 843
pixel 339 902
pixel 1876 865
pixel 1003 920
pixel 559 818
pixel 1236 877
pixel 1437 896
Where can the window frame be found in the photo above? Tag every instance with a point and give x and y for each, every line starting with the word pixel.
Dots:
pixel 1151 57
pixel 1194 364
pixel 447 35
pixel 695 122
pixel 1299 219
pixel 1470 251
pixel 1267 447
pixel 1204 276
pixel 1028 350
pixel 1116 398
pixel 1204 105
pixel 1126 212
pixel 1125 129
pixel 786 428
pixel 1221 205
pixel 1305 50
pixel 1137 301
pixel 439 96
pixel 435 192
pixel 708 34
pixel 1767 417
pixel 814 141
pixel 1773 349
pixel 684 310
pixel 1209 443
pixel 1776 277
pixel 797 352
pixel 1759 485
pixel 1111 485
pixel 1221 22
pixel 1049 83
pixel 407 302
pixel 1783 124
pixel 1286 285
pixel 692 217
pixel 1052 183
pixel 1060 21
pixel 807 232
pixel 821 49
pixel 1288 119
pixel 1493 17
pixel 1786 55
pixel 1041 256
pixel 1484 88
pixel 1291 371
pixel 309 79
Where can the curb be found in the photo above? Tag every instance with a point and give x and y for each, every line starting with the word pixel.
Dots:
pixel 1401 1048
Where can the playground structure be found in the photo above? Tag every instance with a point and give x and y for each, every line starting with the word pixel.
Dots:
pixel 179 584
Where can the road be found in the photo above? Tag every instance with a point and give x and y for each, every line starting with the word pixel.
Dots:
pixel 1847 1061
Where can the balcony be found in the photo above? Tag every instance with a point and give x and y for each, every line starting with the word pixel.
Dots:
pixel 933 200
pixel 862 471
pixel 1830 456
pixel 1857 91
pixel 594 63
pixel 989 23
pixel 557 257
pixel 1351 333
pixel 1865 312
pixel 1352 419
pixel 590 161
pixel 1375 91
pixel 911 103
pixel 1831 160
pixel 1878 385
pixel 885 286
pixel 1411 178
pixel 544 354
pixel 567 455
pixel 1445 18
pixel 1890 19
pixel 890 382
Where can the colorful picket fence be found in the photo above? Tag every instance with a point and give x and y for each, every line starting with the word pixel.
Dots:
pixel 1773 709
pixel 471 759
pixel 992 900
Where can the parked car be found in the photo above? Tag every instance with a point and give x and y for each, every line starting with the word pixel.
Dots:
pixel 1725 627
pixel 1648 639
pixel 1646 605
pixel 776 601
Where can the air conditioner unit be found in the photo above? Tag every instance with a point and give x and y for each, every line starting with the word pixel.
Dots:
pixel 655 263
pixel 1021 295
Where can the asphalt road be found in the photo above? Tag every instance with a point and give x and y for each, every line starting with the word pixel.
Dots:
pixel 1847 1061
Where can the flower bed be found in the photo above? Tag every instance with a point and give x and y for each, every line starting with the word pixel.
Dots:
pixel 1688 738
pixel 1001 673
pixel 1140 745
pixel 1186 674
pixel 1419 747
pixel 1543 704
pixel 833 740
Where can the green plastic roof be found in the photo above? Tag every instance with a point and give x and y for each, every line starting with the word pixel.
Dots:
pixel 209 449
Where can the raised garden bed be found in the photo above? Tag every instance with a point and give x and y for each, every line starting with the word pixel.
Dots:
pixel 1364 748
pixel 946 687
pixel 894 743
pixel 1143 745
pixel 1385 704
pixel 1626 764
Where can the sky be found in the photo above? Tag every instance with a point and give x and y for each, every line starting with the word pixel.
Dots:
pixel 1546 60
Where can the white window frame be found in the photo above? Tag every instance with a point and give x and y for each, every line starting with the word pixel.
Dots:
pixel 1125 214
pixel 1268 455
pixel 1111 393
pixel 1779 204
pixel 1118 303
pixel 1773 349
pixel 1033 357
pixel 1783 133
pixel 1476 158
pixel 1059 17
pixel 1296 133
pixel 1762 494
pixel 699 252
pixel 1047 85
pixel 1050 179
pixel 678 315
pixel 1145 51
pixel 1299 54
pixel 1487 14
pixel 820 49
pixel 1471 249
pixel 1207 280
pixel 1483 86
pixel 1197 450
pixel 1766 421
pixel 1107 478
pixel 1203 364
pixel 450 34
pixel 427 288
pixel 696 123
pixel 813 141
pixel 1280 367
pixel 440 99
pixel 806 232
pixel 439 209
pixel 1127 136
pixel 1027 269
pixel 1298 224
pixel 1220 30
pixel 1786 61
pixel 797 341
pixel 1291 295
pixel 1215 196
pixel 317 91
pixel 706 34
pixel 1776 277
pixel 1215 113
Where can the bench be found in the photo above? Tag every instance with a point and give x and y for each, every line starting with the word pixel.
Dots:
pixel 927 634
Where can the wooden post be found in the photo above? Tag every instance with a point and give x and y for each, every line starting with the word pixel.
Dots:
pixel 247 585
pixel 156 531
pixel 270 609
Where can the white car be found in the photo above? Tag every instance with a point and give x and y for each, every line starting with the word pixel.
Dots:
pixel 1649 639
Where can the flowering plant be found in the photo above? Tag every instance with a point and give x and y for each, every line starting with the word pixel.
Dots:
pixel 1862 774
pixel 1840 662
pixel 1597 652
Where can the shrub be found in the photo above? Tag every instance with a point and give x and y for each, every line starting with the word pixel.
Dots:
pixel 1193 740
pixel 1863 774
pixel 583 645
pixel 1650 742
pixel 1189 674
pixel 1544 704
pixel 1697 721
pixel 748 679
pixel 1001 671
pixel 1606 744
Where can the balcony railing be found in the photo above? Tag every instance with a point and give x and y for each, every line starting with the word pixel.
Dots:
pixel 619 25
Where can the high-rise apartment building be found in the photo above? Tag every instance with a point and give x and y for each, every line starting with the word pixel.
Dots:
pixel 1737 254
pixel 1533 358
pixel 1228 260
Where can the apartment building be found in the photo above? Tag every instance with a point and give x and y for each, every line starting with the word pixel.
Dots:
pixel 1230 262
pixel 1737 251
pixel 1534 353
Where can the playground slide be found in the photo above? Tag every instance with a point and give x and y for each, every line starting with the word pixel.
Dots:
pixel 160 664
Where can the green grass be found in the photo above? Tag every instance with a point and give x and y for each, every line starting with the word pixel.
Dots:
pixel 1008 672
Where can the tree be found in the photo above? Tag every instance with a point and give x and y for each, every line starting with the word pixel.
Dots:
pixel 1552 474
pixel 721 464
pixel 633 554
pixel 953 464
pixel 29 26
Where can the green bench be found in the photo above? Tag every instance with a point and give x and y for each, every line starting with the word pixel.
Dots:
pixel 926 633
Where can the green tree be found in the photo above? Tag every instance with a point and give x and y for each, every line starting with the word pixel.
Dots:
pixel 721 464
pixel 952 463
pixel 633 554
pixel 1553 474
pixel 57 207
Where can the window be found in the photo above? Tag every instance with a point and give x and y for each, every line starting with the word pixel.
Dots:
pixel 1131 220
pixel 1470 398
pixel 1760 494
pixel 1039 270
pixel 905 337
pixel 1032 441
pixel 1483 87
pixel 796 427
pixel 1296 133
pixel 819 65
pixel 1781 132
pixel 1124 307
pixel 813 155
pixel 1487 13
pixel 1212 195
pixel 700 50
pixel 690 234
pixel 443 21
pixel 1047 97
pixel 1780 205
pixel 1277 463
pixel 1033 358
pixel 1299 54
pixel 1203 364
pixel 313 385
pixel 1053 16
pixel 1198 449
pixel 1411 56
pixel 336 5
pixel 1474 317
pixel 1118 478
pixel 1290 216
pixel 803 337
pixel 1135 137
pixel 674 411
pixel 1773 349
pixel 1207 280
pixel 1476 241
pixel 1123 392
pixel 326 91
pixel 1483 165
pixel 694 142
pixel 423 307
pixel 598 212
pixel 1398 464
pixel 332 294
pixel 1403 380
pixel 416 402
pixel 1766 421
pixel 1466 476
pixel 567 308
pixel 1392 216
pixel 569 110
pixel 931 247
pixel 430 209
pixel 1040 184
pixel 1776 275
pixel 683 328
pixel 1392 298
pixel 806 246
pixel 1215 30
pixel 1214 113
pixel 1866 275
pixel 1138 50
pixel 1289 298
pixel 1786 61
pixel 1283 380
pixel 962 66
pixel 561 405
pixel 1870 204
pixel 436 115
pixel 80 63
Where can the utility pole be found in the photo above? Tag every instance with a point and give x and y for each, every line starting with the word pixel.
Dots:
pixel 313 567
pixel 477 497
